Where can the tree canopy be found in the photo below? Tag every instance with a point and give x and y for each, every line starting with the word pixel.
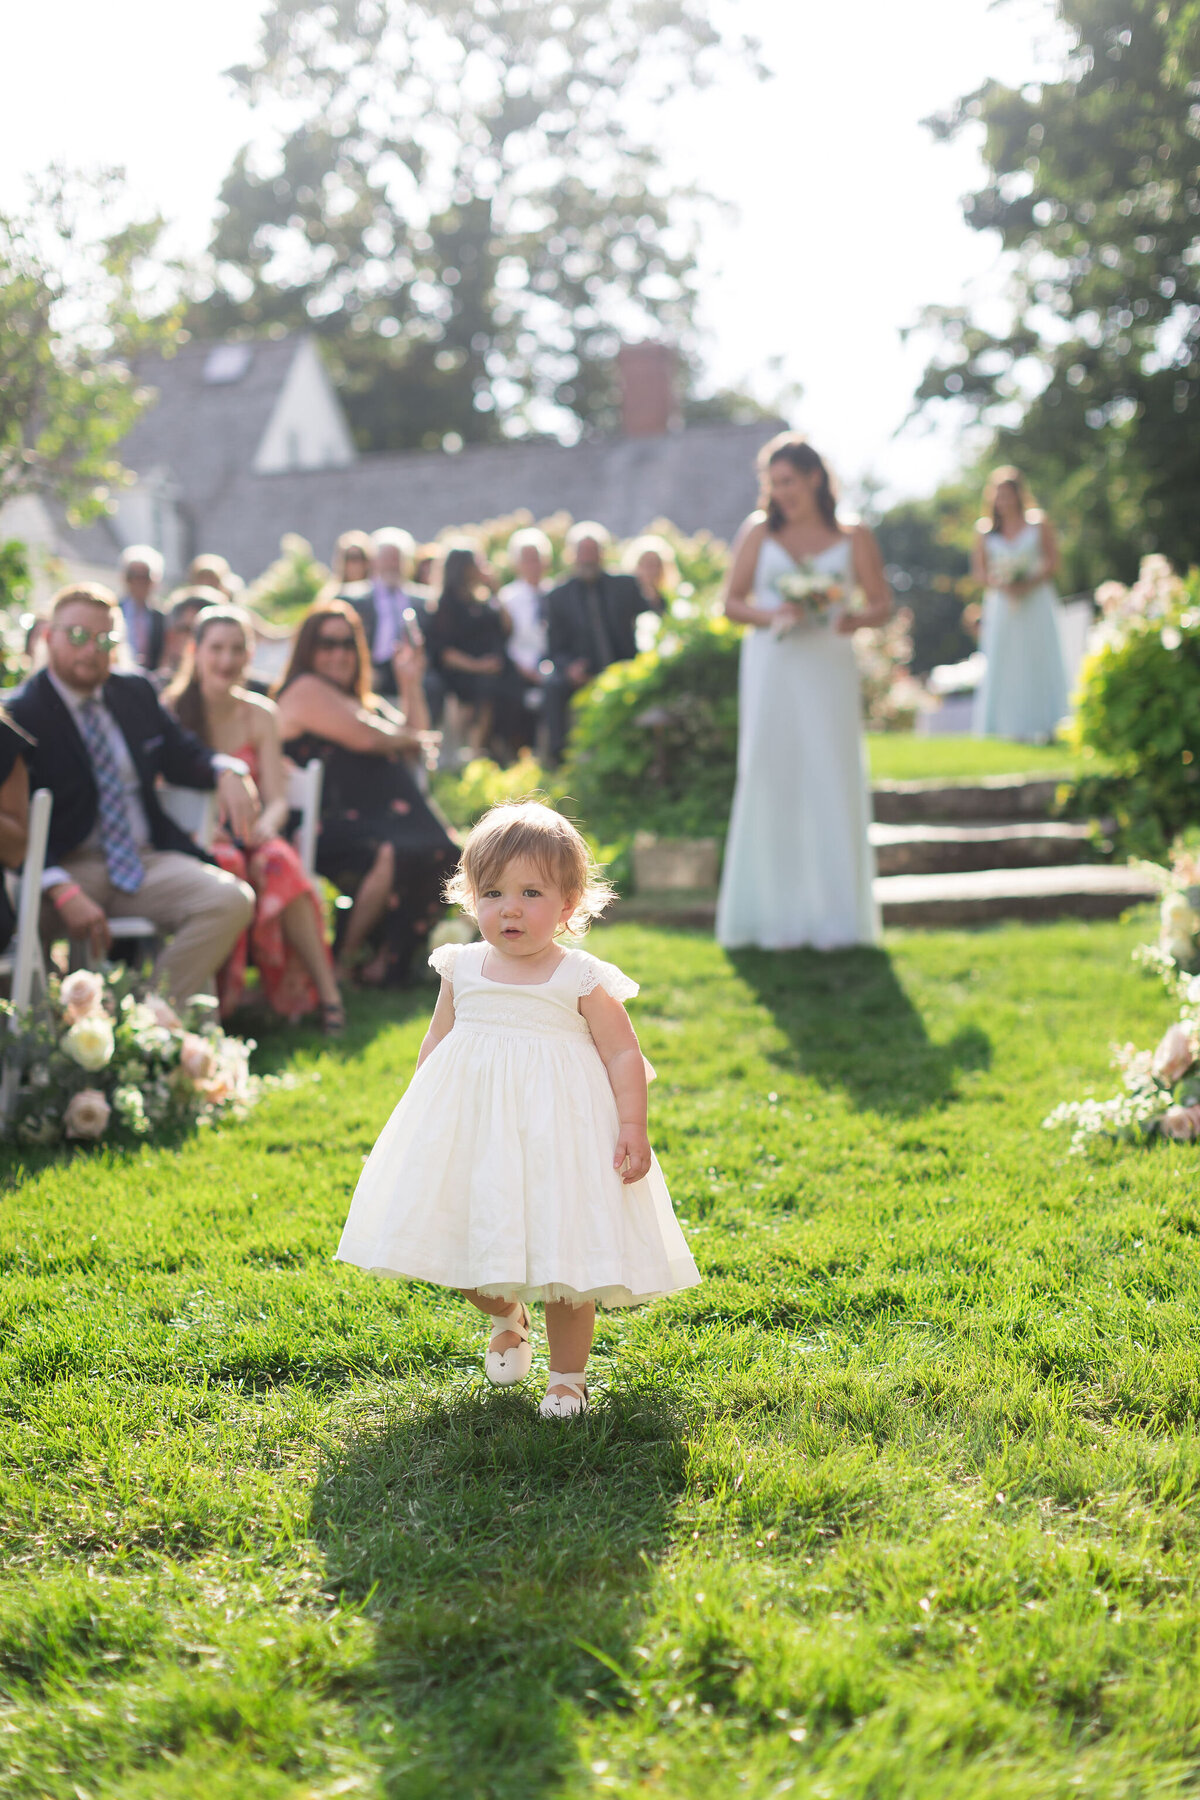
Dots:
pixel 1094 186
pixel 457 202
pixel 75 308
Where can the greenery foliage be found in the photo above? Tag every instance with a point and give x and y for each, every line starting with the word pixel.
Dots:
pixel 286 590
pixel 901 1501
pixel 1094 186
pixel 1137 726
pixel 458 205
pixel 75 306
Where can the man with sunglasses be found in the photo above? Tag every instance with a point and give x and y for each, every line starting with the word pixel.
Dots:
pixel 103 742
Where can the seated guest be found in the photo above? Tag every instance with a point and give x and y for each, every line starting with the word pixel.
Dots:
pixel 145 624
pixel 287 937
pixel 591 622
pixel 651 562
pixel 380 840
pixel 351 569
pixel 468 645
pixel 185 607
pixel 15 746
pixel 524 598
pixel 213 571
pixel 388 616
pixel 103 741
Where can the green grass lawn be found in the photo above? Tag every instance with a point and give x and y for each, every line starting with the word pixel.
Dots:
pixel 903 756
pixel 903 1501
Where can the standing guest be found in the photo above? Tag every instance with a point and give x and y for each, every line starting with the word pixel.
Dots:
pixel 651 562
pixel 517 1166
pixel 184 608
pixel 387 611
pixel 15 746
pixel 524 600
pixel 798 862
pixel 103 741
pixel 592 620
pixel 213 571
pixel 145 623
pixel 351 569
pixel 468 645
pixel 287 938
pixel 1015 559
pixel 380 840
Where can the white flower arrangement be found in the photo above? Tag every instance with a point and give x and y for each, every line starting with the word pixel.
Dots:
pixel 107 1059
pixel 1161 1095
pixel 813 592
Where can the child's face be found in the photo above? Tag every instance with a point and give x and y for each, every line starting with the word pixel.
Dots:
pixel 520 911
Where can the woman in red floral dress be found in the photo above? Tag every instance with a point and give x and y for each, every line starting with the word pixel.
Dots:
pixel 287 939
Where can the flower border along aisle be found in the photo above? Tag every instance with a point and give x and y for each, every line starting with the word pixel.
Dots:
pixel 107 1058
pixel 1162 1087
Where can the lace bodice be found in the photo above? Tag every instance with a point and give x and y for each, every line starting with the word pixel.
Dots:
pixel 544 1007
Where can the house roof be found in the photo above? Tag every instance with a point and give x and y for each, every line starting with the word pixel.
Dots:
pixel 204 432
pixel 701 478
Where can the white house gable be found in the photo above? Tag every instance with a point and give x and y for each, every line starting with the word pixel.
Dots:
pixel 307 428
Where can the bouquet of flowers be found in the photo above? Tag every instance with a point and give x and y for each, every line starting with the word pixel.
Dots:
pixel 1161 1095
pixel 1176 950
pixel 106 1057
pixel 811 591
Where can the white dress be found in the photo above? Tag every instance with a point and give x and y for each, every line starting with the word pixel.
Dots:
pixel 495 1170
pixel 1024 692
pixel 799 868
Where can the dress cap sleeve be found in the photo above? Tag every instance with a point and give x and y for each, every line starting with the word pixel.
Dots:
pixel 594 973
pixel 443 959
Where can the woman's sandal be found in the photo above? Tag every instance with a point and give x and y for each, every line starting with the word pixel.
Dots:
pixel 565 1406
pixel 333 1019
pixel 504 1367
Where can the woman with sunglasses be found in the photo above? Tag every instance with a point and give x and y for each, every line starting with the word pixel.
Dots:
pixel 287 936
pixel 380 840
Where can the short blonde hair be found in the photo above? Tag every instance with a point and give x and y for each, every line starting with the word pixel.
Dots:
pixel 532 829
pixel 90 591
pixel 530 538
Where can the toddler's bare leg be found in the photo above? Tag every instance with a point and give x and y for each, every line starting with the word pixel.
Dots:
pixel 569 1331
pixel 495 1309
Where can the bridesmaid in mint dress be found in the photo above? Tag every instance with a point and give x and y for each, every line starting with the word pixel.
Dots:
pixel 798 862
pixel 1024 692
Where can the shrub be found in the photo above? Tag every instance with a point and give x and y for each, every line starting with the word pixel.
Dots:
pixel 286 590
pixel 1138 717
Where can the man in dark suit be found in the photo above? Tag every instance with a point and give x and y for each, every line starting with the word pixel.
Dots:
pixel 103 739
pixel 145 623
pixel 591 622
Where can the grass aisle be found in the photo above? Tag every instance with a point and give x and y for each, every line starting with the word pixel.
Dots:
pixel 901 1502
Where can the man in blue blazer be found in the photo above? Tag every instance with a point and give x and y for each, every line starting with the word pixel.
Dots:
pixel 103 741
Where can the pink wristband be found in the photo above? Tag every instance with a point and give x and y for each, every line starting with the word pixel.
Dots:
pixel 68 893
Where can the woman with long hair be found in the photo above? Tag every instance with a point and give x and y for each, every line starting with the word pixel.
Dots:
pixel 798 864
pixel 380 839
pixel 1024 691
pixel 287 938
pixel 468 643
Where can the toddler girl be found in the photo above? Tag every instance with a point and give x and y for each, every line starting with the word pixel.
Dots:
pixel 517 1165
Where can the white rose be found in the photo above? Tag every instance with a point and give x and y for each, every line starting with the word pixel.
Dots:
pixel 90 1042
pixel 82 993
pixel 1177 916
pixel 87 1114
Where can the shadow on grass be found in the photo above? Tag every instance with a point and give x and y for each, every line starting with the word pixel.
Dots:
pixel 278 1039
pixel 850 1024
pixel 489 1547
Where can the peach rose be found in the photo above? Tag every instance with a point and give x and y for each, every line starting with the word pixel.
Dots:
pixel 1181 1123
pixel 87 1114
pixel 197 1058
pixel 1174 1056
pixel 162 1012
pixel 82 993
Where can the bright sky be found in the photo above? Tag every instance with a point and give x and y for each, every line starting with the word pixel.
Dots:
pixel 847 222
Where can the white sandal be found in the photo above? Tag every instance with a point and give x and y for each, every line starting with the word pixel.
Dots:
pixel 504 1367
pixel 565 1406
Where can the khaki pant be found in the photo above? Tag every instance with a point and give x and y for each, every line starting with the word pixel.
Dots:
pixel 200 909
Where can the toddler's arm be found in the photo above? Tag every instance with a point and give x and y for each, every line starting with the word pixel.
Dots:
pixel 617 1043
pixel 442 1022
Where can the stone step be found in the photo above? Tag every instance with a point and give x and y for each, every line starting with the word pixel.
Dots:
pixel 996 800
pixel 950 849
pixel 972 897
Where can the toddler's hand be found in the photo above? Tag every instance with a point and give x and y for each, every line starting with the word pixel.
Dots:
pixel 633 1147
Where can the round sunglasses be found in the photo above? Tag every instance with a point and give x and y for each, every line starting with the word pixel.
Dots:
pixel 79 635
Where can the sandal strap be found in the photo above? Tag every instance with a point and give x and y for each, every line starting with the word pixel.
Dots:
pixel 577 1382
pixel 519 1325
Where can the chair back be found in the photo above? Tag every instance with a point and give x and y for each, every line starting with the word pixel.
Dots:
pixel 304 797
pixel 27 951
pixel 194 810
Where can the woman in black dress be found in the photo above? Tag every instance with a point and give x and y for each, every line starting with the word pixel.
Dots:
pixel 380 840
pixel 468 644
pixel 14 813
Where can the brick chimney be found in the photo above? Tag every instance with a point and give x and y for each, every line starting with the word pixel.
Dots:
pixel 646 373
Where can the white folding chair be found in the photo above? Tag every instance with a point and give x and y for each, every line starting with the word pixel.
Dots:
pixel 194 810
pixel 25 966
pixel 304 797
